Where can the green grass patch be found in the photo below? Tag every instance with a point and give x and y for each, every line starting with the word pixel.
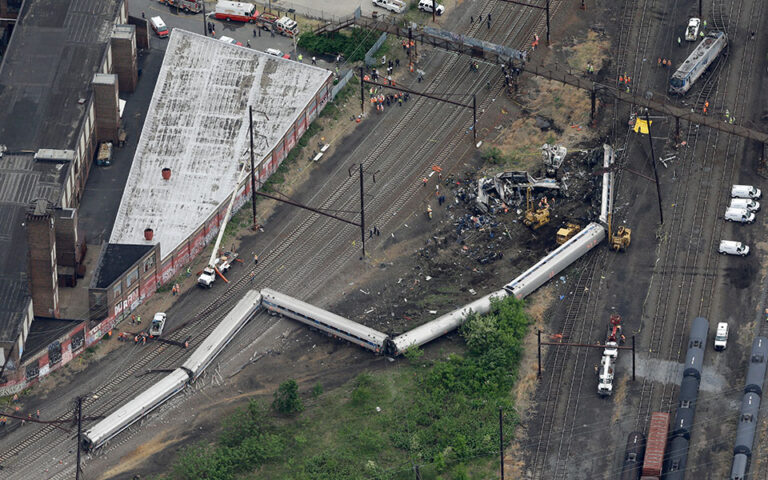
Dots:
pixel 441 415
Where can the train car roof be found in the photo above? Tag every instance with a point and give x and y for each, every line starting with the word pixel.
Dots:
pixel 357 329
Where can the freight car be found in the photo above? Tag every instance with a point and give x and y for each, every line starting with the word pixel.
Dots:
pixel 680 436
pixel 750 409
pixel 656 445
pixel 633 456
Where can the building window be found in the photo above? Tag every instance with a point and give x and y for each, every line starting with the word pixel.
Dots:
pixel 117 290
pixel 130 279
pixel 149 263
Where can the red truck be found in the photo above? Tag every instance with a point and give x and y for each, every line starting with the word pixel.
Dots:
pixel 656 445
pixel 194 6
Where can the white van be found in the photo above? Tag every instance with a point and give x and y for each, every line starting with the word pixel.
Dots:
pixel 745 191
pixel 729 247
pixel 745 203
pixel 426 6
pixel 721 336
pixel 158 25
pixel 739 215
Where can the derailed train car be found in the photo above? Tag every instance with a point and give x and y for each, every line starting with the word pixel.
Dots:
pixel 174 382
pixel 324 320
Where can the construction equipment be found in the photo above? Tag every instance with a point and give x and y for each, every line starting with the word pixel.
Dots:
pixel 535 218
pixel 620 239
pixel 219 263
pixel 554 155
pixel 567 232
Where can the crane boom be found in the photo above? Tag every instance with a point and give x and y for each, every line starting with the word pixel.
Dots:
pixel 215 252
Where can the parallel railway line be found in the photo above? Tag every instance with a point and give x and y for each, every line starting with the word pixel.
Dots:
pixel 284 257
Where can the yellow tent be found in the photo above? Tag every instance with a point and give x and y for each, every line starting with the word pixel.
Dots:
pixel 641 126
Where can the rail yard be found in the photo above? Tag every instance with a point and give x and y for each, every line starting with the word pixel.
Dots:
pixel 648 227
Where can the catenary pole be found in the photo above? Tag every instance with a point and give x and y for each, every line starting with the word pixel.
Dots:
pixel 362 211
pixel 253 170
pixel 501 441
pixel 655 172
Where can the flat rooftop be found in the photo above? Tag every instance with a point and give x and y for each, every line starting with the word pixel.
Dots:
pixel 22 180
pixel 197 125
pixel 56 47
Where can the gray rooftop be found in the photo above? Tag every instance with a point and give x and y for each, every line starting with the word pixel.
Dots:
pixel 56 47
pixel 22 180
pixel 197 125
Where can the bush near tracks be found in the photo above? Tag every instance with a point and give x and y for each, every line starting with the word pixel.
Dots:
pixel 353 46
pixel 441 415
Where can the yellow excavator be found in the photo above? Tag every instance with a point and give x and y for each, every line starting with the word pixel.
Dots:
pixel 567 232
pixel 620 239
pixel 535 217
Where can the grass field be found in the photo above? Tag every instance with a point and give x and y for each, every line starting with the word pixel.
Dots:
pixel 438 415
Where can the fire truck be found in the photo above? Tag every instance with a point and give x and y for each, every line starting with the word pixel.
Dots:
pixel 194 6
pixel 286 26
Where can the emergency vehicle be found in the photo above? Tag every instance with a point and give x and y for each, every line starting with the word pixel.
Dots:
pixel 286 26
pixel 194 6
pixel 236 11
pixel 266 20
pixel 158 25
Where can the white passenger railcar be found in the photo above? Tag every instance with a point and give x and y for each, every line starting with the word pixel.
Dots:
pixel 141 405
pixel 557 261
pixel 323 320
pixel 697 62
pixel 442 325
pixel 173 383
pixel 222 334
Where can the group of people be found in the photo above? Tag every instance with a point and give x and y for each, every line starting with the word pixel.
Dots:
pixel 663 62
pixel 379 100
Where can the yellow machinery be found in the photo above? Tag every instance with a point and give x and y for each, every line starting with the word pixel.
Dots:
pixel 620 239
pixel 535 218
pixel 567 232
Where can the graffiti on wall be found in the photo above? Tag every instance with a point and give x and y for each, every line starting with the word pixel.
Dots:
pixel 54 353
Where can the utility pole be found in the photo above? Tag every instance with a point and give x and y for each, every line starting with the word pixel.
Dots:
pixel 205 25
pixel 653 163
pixel 362 92
pixel 548 44
pixel 474 117
pixel 501 441
pixel 253 170
pixel 79 419
pixel 539 338
pixel 362 203
pixel 362 211
pixel 434 8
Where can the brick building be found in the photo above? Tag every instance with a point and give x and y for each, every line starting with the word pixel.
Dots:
pixel 64 64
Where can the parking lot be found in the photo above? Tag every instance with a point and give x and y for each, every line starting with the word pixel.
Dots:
pixel 246 34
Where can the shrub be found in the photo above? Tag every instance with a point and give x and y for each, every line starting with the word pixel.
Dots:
pixel 287 399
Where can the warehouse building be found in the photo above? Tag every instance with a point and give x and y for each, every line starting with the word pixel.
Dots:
pixel 194 142
pixel 63 66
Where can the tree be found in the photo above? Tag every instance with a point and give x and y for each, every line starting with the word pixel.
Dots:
pixel 287 399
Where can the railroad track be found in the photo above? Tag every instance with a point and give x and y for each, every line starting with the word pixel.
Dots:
pixel 555 365
pixel 108 395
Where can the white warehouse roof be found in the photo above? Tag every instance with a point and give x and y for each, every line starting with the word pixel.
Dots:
pixel 197 125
